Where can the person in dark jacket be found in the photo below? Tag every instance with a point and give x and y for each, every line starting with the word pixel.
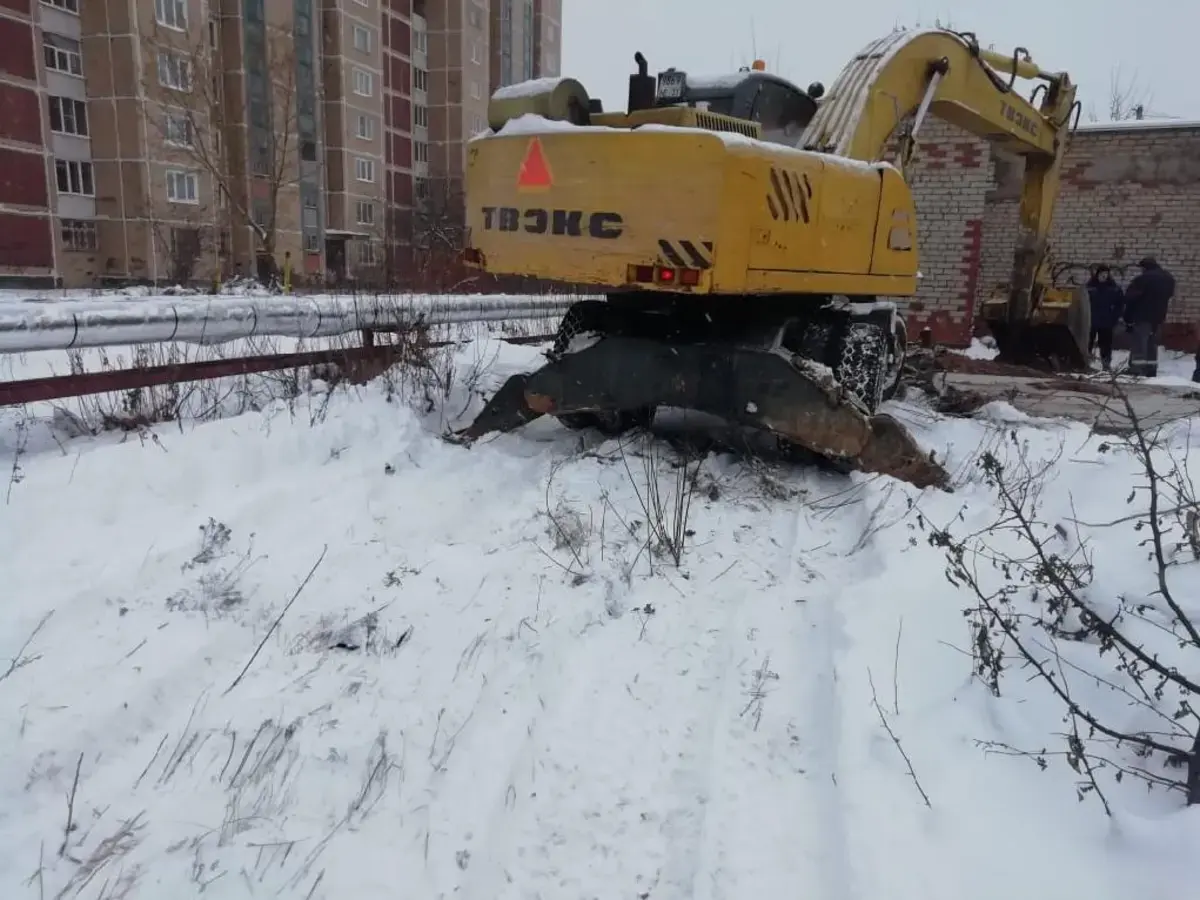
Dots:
pixel 1147 300
pixel 1108 304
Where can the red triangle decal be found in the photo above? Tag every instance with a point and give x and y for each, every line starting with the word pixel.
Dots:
pixel 535 173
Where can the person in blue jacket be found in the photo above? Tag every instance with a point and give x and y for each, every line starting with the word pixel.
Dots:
pixel 1108 305
pixel 1147 302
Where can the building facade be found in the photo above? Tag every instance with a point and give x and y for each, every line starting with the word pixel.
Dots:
pixel 178 140
pixel 1130 189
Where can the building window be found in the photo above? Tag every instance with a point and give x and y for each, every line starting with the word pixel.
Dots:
pixel 312 243
pixel 364 211
pixel 308 217
pixel 68 116
pixel 364 84
pixel 478 126
pixel 79 236
pixel 364 169
pixel 174 72
pixel 366 128
pixel 183 187
pixel 420 79
pixel 476 52
pixel 74 177
pixel 172 13
pixel 177 130
pixel 71 6
pixel 420 115
pixel 421 188
pixel 366 253
pixel 62 55
pixel 475 16
pixel 476 91
pixel 362 39
pixel 420 42
pixel 420 151
pixel 550 34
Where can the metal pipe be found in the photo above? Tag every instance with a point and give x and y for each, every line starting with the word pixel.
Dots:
pixel 30 326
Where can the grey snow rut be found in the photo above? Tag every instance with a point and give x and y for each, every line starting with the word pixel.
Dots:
pixel 777 818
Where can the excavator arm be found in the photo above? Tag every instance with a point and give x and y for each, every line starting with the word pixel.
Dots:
pixel 895 82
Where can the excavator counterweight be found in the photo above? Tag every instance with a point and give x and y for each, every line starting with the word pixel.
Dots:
pixel 751 240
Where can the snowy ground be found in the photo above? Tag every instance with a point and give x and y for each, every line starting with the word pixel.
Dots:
pixel 490 687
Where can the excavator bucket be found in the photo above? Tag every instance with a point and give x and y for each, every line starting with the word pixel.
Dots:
pixel 778 392
pixel 1054 336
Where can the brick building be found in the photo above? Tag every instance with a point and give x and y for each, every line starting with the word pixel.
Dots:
pixel 139 135
pixel 1130 189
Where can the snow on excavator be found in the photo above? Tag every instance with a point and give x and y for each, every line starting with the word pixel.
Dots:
pixel 749 239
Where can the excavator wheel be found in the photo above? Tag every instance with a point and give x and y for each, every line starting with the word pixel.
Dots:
pixel 585 323
pixel 863 364
pixel 897 357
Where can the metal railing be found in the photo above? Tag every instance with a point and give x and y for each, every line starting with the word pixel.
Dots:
pixel 31 326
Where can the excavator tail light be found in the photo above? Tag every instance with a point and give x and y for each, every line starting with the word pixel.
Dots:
pixel 665 275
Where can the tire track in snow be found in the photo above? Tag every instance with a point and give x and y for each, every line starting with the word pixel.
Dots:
pixel 692 824
pixel 617 767
pixel 777 819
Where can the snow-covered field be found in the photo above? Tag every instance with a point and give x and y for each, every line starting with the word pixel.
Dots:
pixel 313 651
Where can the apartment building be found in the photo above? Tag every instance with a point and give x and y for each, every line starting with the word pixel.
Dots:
pixel 174 140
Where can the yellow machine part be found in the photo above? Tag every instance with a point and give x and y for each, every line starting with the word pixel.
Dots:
pixel 589 205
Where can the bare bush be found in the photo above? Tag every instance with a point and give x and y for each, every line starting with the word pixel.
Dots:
pixel 667 513
pixel 1041 609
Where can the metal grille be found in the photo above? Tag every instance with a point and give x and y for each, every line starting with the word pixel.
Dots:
pixel 711 122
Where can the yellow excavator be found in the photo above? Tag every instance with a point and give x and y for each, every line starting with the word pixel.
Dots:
pixel 750 239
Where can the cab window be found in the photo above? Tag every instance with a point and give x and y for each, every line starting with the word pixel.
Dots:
pixel 782 111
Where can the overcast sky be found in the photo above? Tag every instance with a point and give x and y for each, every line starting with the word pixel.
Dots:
pixel 1152 41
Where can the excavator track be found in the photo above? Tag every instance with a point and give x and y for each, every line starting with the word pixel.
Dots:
pixel 814 381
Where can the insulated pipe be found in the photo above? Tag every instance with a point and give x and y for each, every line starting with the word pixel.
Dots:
pixel 31 326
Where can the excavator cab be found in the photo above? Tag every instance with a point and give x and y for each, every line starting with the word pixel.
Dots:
pixel 781 109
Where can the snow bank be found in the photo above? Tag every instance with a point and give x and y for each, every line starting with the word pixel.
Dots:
pixel 317 652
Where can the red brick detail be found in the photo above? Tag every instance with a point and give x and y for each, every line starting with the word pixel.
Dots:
pixel 972 264
pixel 946 330
pixel 399 36
pixel 23 179
pixel 398 115
pixel 20 115
pixel 26 242
pixel 970 156
pixel 400 150
pixel 400 189
pixel 21 6
pixel 400 77
pixel 16 38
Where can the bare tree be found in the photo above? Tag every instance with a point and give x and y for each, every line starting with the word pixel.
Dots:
pixel 203 101
pixel 435 231
pixel 1128 99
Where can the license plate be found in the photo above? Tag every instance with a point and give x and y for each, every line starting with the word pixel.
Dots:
pixel 670 85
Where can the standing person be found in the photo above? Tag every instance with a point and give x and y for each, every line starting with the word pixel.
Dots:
pixel 1196 338
pixel 1108 303
pixel 1147 300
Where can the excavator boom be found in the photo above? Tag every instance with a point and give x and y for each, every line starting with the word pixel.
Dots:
pixel 890 87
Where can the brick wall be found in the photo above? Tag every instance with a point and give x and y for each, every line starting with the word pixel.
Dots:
pixel 1128 190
